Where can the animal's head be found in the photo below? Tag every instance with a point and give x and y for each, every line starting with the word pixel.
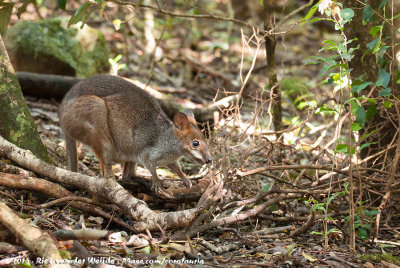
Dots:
pixel 192 140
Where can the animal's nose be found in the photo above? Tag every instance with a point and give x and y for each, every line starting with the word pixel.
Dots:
pixel 208 160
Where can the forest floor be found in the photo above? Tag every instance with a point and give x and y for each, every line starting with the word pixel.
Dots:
pixel 272 237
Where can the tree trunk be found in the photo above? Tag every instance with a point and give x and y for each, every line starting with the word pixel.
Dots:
pixel 270 44
pixel 16 123
pixel 366 63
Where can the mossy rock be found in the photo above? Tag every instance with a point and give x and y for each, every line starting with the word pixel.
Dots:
pixel 49 46
pixel 388 257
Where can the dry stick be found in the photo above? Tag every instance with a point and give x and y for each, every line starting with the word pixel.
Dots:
pixel 300 218
pixel 284 167
pixel 109 189
pixel 294 12
pixel 306 226
pixel 275 191
pixel 55 190
pixel 337 131
pixel 163 11
pixel 320 167
pixel 275 230
pixel 241 216
pixel 82 234
pixel 11 197
pixel 77 198
pixel 336 258
pixel 218 250
pixel 377 154
pixel 38 242
pixel 391 178
pixel 276 178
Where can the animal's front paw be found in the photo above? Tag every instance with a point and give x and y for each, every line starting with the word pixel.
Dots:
pixel 187 183
pixel 156 187
pixel 160 191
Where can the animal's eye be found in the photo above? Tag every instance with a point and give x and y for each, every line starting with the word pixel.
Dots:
pixel 195 143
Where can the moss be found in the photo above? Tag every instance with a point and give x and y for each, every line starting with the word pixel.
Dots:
pixel 16 124
pixel 49 40
pixel 92 61
pixel 46 37
pixel 388 257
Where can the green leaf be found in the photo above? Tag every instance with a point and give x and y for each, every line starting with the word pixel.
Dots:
pixel 333 230
pixel 62 4
pixel 358 88
pixel 354 107
pixel 337 66
pixel 371 213
pixel 383 78
pixel 266 188
pixel 324 109
pixel 355 127
pixel 375 30
pixel 365 145
pixel 385 92
pixel 397 76
pixel 382 4
pixel 367 135
pixel 362 232
pixel 371 111
pixel 361 116
pixel 318 233
pixel 387 104
pixel 347 13
pixel 317 19
pixel 330 43
pixel 103 5
pixel 343 148
pixel 79 14
pixel 308 257
pixel 374 45
pixel 368 14
pixel 5 14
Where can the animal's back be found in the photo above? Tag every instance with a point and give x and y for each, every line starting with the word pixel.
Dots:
pixel 134 118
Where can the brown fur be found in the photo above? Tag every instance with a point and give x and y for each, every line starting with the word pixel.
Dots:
pixel 123 123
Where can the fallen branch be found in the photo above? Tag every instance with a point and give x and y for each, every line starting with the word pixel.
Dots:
pixel 38 242
pixel 108 189
pixel 218 250
pixel 55 190
pixel 306 226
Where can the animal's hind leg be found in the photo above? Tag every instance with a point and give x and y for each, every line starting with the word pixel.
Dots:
pixel 129 170
pixel 85 119
pixel 72 154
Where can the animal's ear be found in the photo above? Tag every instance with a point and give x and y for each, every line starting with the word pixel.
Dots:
pixel 190 116
pixel 180 120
